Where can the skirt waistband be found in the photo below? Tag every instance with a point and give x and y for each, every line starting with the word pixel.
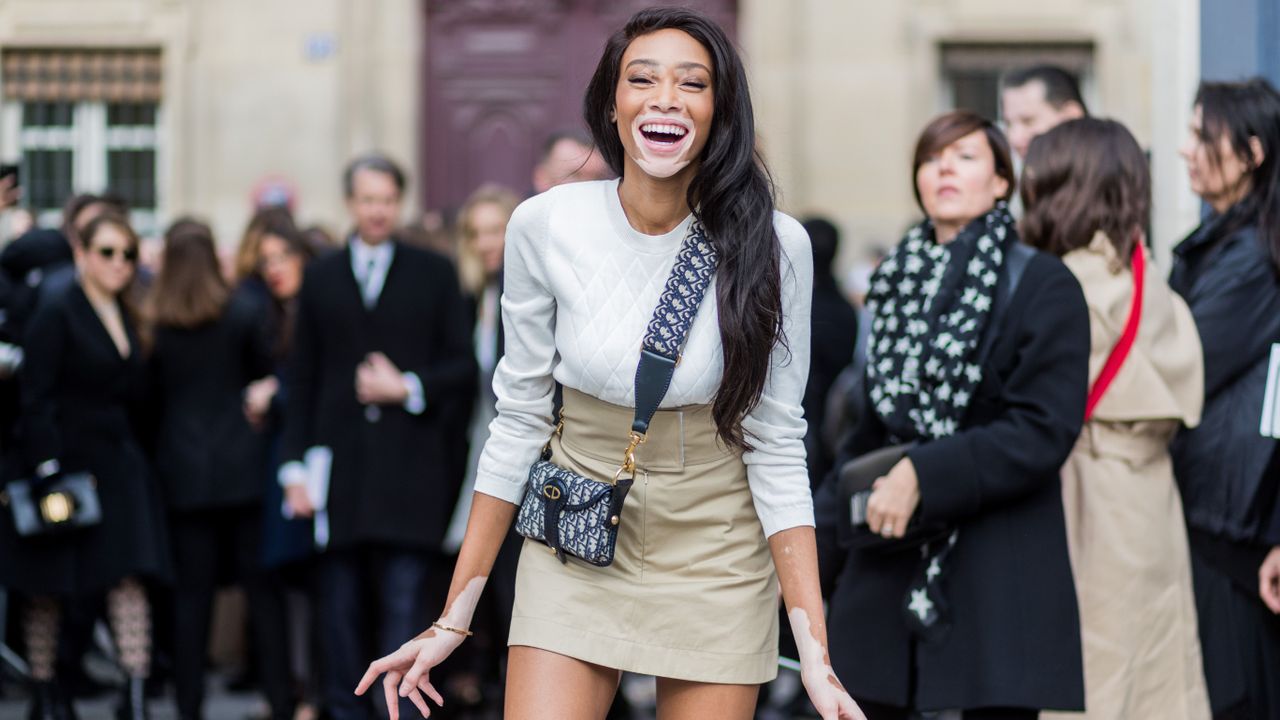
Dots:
pixel 677 437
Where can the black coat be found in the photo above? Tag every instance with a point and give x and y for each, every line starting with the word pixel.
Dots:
pixel 394 480
pixel 81 401
pixel 1014 638
pixel 207 455
pixel 25 262
pixel 1226 469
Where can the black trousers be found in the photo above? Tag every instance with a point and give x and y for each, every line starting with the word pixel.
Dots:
pixel 205 542
pixel 1239 636
pixel 368 588
pixel 876 711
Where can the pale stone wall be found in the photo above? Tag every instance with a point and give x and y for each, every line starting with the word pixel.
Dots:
pixel 843 87
pixel 244 99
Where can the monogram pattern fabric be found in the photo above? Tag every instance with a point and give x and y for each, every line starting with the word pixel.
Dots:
pixel 694 268
pixel 584 512
pixel 929 304
pixel 583 526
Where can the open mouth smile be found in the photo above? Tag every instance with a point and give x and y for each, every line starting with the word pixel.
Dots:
pixel 663 136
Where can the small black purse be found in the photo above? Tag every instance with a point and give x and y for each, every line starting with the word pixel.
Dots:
pixel 578 515
pixel 67 503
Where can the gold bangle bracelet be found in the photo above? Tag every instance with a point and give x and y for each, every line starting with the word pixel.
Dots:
pixel 446 628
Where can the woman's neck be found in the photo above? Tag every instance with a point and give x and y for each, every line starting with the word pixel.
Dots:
pixel 945 232
pixel 1228 199
pixel 98 297
pixel 654 206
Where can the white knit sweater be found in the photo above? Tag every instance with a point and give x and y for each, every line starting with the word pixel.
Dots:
pixel 580 287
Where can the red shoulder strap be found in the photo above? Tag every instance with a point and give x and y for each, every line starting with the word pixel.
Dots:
pixel 1121 351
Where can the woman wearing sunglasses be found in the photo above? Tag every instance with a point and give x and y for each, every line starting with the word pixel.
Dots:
pixel 80 388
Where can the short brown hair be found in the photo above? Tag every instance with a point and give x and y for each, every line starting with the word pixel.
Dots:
pixel 1083 177
pixel 76 204
pixel 190 290
pixel 946 129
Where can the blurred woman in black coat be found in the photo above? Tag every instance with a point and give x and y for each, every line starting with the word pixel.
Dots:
pixel 288 543
pixel 210 344
pixel 283 254
pixel 81 386
pixel 989 383
pixel 1228 271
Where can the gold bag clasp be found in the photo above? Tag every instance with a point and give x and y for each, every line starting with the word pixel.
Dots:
pixel 56 508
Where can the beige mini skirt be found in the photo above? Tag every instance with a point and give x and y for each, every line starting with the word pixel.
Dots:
pixel 692 593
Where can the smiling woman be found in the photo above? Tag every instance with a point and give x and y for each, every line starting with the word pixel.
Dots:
pixel 723 515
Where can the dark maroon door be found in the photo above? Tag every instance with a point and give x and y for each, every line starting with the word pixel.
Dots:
pixel 502 75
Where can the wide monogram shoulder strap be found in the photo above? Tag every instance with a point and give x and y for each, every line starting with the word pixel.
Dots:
pixel 664 339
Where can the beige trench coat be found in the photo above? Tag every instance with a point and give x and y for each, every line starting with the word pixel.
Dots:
pixel 1125 526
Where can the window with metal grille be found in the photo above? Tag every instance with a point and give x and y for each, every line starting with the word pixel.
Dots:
pixel 972 70
pixel 83 120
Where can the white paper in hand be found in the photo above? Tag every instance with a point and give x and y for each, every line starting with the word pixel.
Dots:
pixel 319 461
pixel 1271 399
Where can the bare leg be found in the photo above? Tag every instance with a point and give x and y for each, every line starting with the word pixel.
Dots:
pixel 685 700
pixel 41 633
pixel 130 617
pixel 542 685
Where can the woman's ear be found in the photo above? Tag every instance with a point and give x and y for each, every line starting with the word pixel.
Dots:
pixel 613 115
pixel 1255 149
pixel 1001 187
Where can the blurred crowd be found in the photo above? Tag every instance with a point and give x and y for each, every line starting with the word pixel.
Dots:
pixel 302 418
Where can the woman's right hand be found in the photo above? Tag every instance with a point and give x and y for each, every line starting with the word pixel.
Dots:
pixel 257 400
pixel 299 502
pixel 407 670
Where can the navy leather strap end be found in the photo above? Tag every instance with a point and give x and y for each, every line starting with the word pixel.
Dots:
pixel 653 377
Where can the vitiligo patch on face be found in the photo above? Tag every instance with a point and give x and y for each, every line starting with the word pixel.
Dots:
pixel 663 144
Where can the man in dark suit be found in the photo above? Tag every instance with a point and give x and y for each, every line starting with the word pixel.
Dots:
pixel 381 351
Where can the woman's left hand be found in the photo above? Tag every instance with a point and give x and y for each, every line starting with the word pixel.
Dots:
pixel 1269 580
pixel 894 499
pixel 826 693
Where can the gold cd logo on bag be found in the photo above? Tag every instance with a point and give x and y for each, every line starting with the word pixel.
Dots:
pixel 551 492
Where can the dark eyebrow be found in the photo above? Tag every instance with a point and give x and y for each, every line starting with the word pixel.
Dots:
pixel 680 66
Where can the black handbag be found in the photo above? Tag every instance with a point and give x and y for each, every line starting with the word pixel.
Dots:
pixel 50 507
pixel 578 515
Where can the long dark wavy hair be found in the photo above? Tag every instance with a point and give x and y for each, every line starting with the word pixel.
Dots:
pixel 1084 176
pixel 189 290
pixel 1240 111
pixel 731 194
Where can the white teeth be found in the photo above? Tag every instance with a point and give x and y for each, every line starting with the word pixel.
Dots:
pixel 676 130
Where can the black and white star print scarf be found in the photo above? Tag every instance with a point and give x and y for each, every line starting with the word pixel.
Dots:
pixel 929 304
